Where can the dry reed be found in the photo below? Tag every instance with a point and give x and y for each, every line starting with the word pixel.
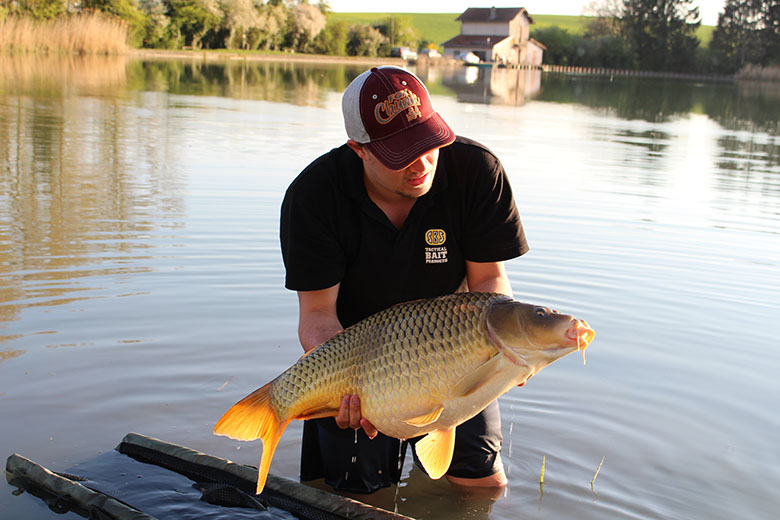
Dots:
pixel 85 33
pixel 756 72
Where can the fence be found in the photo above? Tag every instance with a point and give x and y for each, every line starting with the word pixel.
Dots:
pixel 597 71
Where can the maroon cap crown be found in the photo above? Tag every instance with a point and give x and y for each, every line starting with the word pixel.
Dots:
pixel 389 111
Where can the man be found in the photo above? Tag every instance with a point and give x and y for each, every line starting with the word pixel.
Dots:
pixel 404 210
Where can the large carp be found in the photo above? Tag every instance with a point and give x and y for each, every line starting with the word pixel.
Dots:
pixel 421 367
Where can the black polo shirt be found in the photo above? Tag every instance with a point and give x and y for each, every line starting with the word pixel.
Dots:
pixel 331 232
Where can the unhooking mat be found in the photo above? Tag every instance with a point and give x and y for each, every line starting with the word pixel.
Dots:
pixel 148 479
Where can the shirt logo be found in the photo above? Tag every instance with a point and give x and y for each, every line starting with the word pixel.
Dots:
pixel 405 99
pixel 435 237
pixel 437 252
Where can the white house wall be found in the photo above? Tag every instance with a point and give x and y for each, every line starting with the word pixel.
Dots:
pixel 486 28
pixel 505 52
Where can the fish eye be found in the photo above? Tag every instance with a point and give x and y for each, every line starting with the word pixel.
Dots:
pixel 541 312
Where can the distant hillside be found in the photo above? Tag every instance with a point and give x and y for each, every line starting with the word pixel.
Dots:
pixel 440 27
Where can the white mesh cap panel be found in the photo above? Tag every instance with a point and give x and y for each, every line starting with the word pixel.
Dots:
pixel 350 106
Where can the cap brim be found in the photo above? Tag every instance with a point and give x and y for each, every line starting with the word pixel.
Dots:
pixel 402 149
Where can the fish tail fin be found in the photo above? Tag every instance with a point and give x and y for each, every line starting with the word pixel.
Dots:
pixel 269 447
pixel 254 417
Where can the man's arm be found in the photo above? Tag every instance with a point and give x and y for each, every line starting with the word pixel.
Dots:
pixel 488 277
pixel 317 318
pixel 317 323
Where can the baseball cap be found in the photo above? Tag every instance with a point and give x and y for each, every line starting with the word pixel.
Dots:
pixel 388 110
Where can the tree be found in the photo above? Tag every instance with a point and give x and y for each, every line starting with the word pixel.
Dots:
pixel 364 40
pixel 128 11
pixel 661 32
pixel 38 9
pixel 307 22
pixel 610 52
pixel 748 32
pixel 269 33
pixel 770 33
pixel 192 19
pixel 605 18
pixel 333 39
pixel 239 18
pixel 561 45
pixel 157 33
pixel 399 31
pixel 736 40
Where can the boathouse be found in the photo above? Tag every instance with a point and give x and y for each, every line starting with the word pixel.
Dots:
pixel 498 35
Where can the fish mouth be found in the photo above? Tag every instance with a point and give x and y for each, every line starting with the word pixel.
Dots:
pixel 581 333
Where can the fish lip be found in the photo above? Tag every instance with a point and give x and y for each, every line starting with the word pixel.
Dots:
pixel 580 332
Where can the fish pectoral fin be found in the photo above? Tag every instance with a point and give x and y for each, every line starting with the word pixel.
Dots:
pixel 251 418
pixel 478 377
pixel 426 419
pixel 435 452
pixel 317 413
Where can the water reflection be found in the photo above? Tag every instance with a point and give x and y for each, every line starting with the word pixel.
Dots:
pixel 89 165
pixel 282 82
pixel 126 178
pixel 82 178
pixel 653 142
pixel 56 75
pixel 488 85
pixel 735 106
pixel 10 354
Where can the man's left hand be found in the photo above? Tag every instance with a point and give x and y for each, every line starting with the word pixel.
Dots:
pixel 349 416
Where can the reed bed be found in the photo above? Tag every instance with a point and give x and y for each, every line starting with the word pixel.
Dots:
pixel 85 33
pixel 756 72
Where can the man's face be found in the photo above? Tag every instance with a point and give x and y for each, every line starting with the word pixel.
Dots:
pixel 412 182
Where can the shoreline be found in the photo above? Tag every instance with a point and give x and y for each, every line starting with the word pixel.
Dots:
pixel 214 55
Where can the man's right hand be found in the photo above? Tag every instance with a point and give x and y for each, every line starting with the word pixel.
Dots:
pixel 349 416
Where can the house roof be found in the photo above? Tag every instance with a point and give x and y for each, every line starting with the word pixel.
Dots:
pixel 474 41
pixel 492 14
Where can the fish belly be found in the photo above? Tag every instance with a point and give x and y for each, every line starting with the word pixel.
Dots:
pixel 457 409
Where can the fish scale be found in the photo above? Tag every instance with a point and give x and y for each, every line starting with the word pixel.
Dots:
pixel 419 368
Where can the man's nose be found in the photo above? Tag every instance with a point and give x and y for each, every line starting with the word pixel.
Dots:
pixel 420 165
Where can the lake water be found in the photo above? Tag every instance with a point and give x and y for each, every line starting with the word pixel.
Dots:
pixel 141 283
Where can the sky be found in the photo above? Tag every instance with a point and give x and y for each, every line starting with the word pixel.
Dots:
pixel 708 9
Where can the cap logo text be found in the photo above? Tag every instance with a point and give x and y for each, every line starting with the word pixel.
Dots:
pixel 396 103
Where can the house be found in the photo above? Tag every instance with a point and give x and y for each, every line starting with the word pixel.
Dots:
pixel 496 35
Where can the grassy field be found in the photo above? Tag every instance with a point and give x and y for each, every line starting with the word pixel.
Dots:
pixel 440 27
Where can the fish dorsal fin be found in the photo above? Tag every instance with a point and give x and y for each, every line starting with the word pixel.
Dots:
pixel 426 419
pixel 478 377
pixel 435 452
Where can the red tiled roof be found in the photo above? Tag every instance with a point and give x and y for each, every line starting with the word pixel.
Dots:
pixel 475 41
pixel 492 14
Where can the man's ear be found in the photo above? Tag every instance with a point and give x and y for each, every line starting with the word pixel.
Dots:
pixel 357 148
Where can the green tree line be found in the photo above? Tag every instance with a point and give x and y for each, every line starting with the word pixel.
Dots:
pixel 621 34
pixel 296 25
pixel 659 35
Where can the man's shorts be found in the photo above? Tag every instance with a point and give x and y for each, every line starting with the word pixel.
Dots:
pixel 350 461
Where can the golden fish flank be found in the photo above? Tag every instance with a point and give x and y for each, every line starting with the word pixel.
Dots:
pixel 421 367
